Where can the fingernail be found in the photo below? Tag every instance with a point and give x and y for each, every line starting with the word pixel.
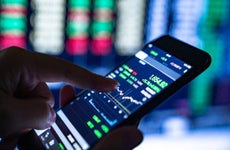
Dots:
pixel 115 84
pixel 108 86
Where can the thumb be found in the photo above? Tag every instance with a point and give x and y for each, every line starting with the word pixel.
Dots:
pixel 35 114
pixel 37 110
pixel 124 138
pixel 31 111
pixel 27 114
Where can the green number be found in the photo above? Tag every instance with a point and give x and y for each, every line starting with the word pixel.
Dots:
pixel 97 133
pixel 95 118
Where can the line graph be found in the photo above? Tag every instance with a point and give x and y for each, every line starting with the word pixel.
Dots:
pixel 129 96
pixel 120 92
pixel 132 100
pixel 99 110
pixel 119 103
pixel 124 99
pixel 111 122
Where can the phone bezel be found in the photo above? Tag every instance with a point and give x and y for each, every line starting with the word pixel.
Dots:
pixel 198 59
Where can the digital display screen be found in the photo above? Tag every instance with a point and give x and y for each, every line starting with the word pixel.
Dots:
pixel 97 34
pixel 93 114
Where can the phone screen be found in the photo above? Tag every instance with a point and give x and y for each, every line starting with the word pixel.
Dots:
pixel 92 115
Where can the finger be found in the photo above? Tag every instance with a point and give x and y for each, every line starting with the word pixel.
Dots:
pixel 39 107
pixel 34 111
pixel 34 114
pixel 42 90
pixel 124 138
pixel 25 114
pixel 67 93
pixel 47 68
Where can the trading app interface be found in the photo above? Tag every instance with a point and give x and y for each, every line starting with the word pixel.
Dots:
pixel 93 114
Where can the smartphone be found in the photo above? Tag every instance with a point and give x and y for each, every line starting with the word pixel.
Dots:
pixel 146 79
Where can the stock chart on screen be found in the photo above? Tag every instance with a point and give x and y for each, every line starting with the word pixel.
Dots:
pixel 98 34
pixel 141 78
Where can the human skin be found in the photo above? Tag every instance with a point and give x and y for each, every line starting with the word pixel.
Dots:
pixel 26 102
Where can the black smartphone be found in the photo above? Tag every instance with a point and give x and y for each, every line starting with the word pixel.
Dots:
pixel 146 79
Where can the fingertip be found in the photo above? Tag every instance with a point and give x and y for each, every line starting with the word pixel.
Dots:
pixel 112 84
pixel 106 84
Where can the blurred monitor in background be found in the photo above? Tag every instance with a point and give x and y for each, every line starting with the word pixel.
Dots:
pixel 99 34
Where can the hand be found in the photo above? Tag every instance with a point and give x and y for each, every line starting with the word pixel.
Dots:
pixel 124 138
pixel 25 100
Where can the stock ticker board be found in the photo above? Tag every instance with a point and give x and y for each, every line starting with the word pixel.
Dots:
pixel 99 33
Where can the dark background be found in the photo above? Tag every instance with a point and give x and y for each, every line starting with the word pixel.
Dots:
pixel 99 34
